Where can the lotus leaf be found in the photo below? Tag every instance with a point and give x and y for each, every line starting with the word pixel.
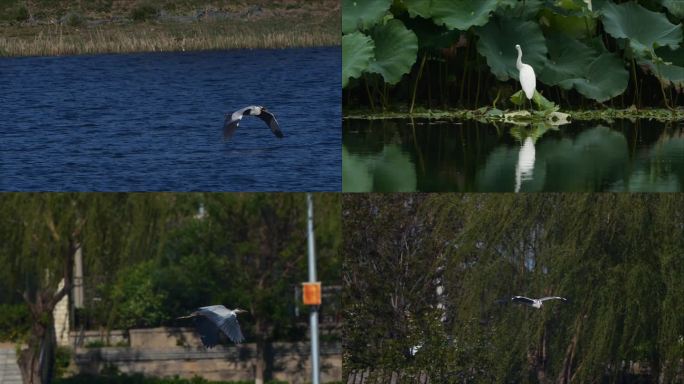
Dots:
pixel 497 44
pixel 668 66
pixel 362 14
pixel 676 7
pixel 645 30
pixel 605 78
pixel 357 52
pixel 568 58
pixel 454 14
pixel 395 50
pixel 525 10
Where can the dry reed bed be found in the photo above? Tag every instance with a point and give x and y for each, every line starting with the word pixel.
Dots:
pixel 59 40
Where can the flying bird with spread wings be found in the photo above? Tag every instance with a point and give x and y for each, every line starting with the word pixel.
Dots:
pixel 213 320
pixel 535 303
pixel 233 120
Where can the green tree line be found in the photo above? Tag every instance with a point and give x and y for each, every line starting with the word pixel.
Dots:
pixel 149 258
pixel 617 258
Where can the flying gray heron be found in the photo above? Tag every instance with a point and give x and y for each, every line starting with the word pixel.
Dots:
pixel 536 303
pixel 213 320
pixel 233 120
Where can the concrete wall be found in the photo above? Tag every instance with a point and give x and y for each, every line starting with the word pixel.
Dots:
pixel 179 352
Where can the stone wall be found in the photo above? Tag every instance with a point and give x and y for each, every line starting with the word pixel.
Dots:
pixel 178 352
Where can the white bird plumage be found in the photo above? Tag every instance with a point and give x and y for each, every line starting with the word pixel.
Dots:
pixel 535 303
pixel 233 120
pixel 526 74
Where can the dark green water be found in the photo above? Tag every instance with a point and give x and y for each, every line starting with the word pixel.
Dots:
pixel 427 156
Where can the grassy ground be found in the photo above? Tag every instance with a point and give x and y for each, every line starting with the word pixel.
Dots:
pixel 56 27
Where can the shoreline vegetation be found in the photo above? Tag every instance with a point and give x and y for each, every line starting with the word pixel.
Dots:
pixel 485 114
pixel 55 27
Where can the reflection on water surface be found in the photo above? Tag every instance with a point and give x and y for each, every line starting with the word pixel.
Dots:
pixel 401 155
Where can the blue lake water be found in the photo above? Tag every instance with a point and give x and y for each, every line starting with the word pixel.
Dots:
pixel 153 121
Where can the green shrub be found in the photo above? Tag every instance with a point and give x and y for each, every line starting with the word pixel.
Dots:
pixel 74 19
pixel 20 13
pixel 138 379
pixel 14 321
pixel 144 11
pixel 62 360
pixel 138 302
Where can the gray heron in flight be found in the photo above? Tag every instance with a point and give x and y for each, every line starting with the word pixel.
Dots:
pixel 233 120
pixel 213 320
pixel 536 303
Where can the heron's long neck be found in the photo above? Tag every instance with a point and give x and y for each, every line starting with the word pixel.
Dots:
pixel 518 64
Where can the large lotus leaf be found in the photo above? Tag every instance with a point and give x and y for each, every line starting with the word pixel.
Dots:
pixel 454 14
pixel 572 25
pixel 395 50
pixel 676 7
pixel 497 44
pixel 431 35
pixel 644 29
pixel 568 58
pixel 605 78
pixel 668 66
pixel 524 10
pixel 357 52
pixel 362 14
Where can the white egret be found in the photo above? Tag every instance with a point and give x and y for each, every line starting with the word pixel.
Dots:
pixel 526 74
pixel 233 120
pixel 535 303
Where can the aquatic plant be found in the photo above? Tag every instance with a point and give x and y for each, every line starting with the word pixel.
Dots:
pixel 584 53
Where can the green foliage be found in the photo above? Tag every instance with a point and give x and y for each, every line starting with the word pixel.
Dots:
pixel 362 14
pixel 610 254
pixel 627 21
pixel 63 357
pixel 605 78
pixel 357 52
pixel 138 302
pixel 497 43
pixel 395 51
pixel 74 19
pixel 144 11
pixel 570 47
pixel 458 14
pixel 137 379
pixel 14 322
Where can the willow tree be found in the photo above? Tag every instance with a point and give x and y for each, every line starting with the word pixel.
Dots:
pixel 249 251
pixel 41 233
pixel 617 257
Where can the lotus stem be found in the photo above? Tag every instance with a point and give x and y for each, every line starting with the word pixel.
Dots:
pixel 415 85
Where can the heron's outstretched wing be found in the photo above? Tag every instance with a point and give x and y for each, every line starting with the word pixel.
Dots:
pixel 522 300
pixel 231 328
pixel 553 298
pixel 230 126
pixel 271 121
pixel 208 331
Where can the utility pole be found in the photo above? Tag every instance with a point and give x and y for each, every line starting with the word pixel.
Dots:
pixel 313 317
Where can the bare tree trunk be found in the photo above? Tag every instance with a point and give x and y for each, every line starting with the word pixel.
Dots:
pixel 37 361
pixel 565 375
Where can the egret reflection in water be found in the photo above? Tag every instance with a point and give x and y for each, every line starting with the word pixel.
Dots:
pixel 470 156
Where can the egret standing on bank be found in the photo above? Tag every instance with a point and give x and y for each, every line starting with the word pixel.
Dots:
pixel 213 320
pixel 233 120
pixel 526 74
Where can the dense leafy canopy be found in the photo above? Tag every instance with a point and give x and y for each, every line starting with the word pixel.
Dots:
pixel 439 270
pixel 395 51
